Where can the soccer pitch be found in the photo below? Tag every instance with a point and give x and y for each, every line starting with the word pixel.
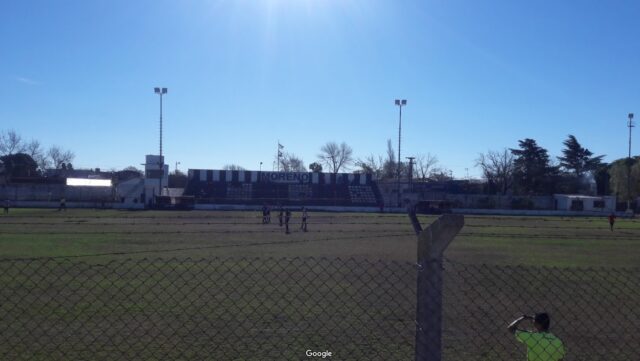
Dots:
pixel 150 285
pixel 107 234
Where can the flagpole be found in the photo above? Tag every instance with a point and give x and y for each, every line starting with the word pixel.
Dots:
pixel 279 154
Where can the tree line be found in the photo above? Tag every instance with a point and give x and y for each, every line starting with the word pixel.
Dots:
pixel 28 158
pixel 529 170
pixel 334 157
pixel 525 170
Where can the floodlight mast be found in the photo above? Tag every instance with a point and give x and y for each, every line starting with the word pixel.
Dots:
pixel 630 125
pixel 400 103
pixel 160 91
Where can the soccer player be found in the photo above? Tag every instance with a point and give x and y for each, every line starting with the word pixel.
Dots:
pixel 268 214
pixel 287 217
pixel 264 214
pixel 280 214
pixel 63 204
pixel 305 215
pixel 7 203
pixel 541 344
pixel 612 220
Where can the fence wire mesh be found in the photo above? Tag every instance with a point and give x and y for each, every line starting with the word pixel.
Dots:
pixel 277 309
pixel 221 309
pixel 593 311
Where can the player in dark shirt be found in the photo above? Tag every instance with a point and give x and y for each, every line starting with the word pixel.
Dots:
pixel 287 217
pixel 612 220
pixel 305 216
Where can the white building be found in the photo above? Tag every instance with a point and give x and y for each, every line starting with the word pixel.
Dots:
pixel 580 203
pixel 156 176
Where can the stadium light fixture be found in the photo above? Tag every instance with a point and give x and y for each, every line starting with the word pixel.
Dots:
pixel 400 103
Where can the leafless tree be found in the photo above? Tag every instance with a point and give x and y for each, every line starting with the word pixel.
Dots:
pixel 290 162
pixel 233 167
pixel 424 166
pixel 370 165
pixel 497 168
pixel 336 156
pixel 11 143
pixel 59 156
pixel 441 175
pixel 35 150
pixel 132 169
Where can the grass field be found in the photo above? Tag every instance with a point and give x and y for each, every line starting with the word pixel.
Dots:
pixel 548 241
pixel 222 286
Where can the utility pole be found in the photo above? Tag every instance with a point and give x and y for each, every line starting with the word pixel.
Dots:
pixel 400 103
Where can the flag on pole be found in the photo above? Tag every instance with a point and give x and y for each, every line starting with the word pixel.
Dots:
pixel 280 146
pixel 279 154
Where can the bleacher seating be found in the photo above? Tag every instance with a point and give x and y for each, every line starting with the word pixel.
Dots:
pixel 242 191
pixel 248 188
pixel 362 195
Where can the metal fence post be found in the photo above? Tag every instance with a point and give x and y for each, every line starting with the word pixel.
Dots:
pixel 432 243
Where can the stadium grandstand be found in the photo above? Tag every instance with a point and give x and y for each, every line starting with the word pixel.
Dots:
pixel 286 188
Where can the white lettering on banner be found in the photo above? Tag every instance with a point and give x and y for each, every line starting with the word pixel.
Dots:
pixel 284 177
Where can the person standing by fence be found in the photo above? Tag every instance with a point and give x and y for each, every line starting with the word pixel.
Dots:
pixel 541 344
pixel 63 205
pixel 7 203
pixel 287 217
pixel 268 219
pixel 612 220
pixel 280 215
pixel 305 215
pixel 264 214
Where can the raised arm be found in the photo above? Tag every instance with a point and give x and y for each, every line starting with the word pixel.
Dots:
pixel 513 327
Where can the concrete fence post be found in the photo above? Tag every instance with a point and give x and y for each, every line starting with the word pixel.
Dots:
pixel 432 242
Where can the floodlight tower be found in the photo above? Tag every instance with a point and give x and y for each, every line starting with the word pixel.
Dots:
pixel 161 92
pixel 400 103
pixel 630 125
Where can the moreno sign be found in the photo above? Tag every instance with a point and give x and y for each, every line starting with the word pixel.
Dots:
pixel 285 177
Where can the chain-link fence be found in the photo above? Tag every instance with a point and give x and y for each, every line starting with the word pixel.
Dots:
pixel 282 309
pixel 593 311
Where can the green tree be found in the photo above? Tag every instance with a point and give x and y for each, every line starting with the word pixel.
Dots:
pixel 20 165
pixel 578 160
pixel 618 172
pixel 602 179
pixel 533 171
pixel 315 167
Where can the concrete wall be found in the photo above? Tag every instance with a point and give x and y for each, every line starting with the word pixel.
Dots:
pixel 512 212
pixel 54 192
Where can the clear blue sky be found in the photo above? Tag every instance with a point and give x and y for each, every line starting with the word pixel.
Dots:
pixel 243 74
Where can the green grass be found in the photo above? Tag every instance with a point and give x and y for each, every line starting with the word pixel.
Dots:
pixel 541 241
pixel 222 286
